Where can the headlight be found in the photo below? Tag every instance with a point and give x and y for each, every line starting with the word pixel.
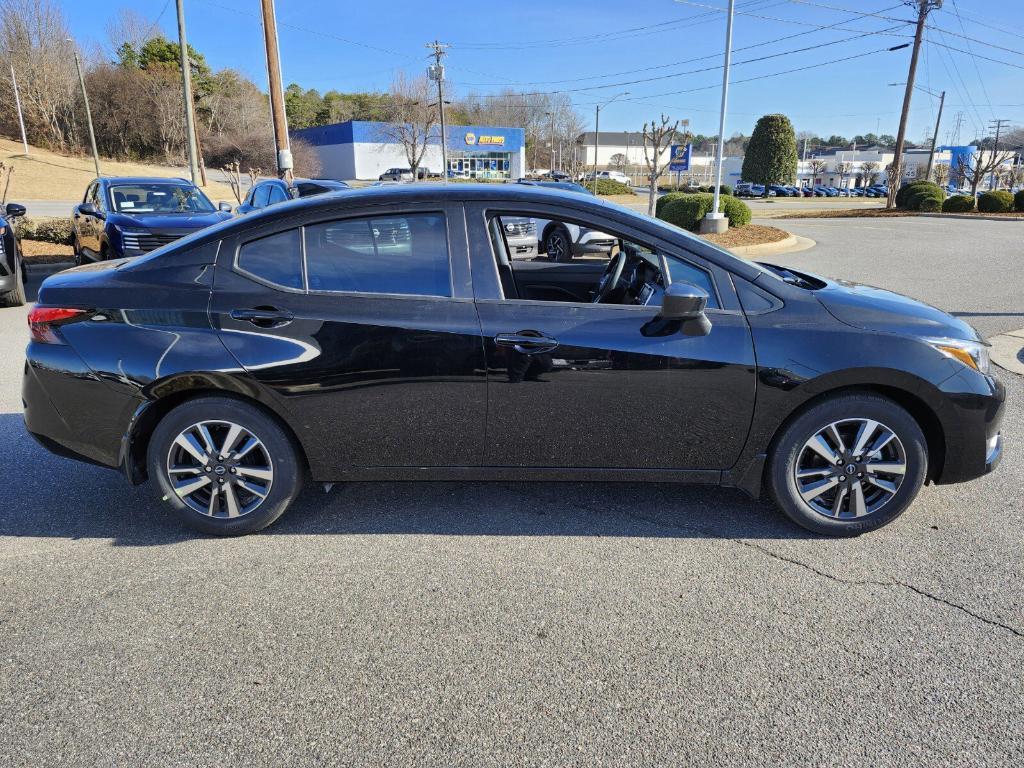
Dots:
pixel 973 354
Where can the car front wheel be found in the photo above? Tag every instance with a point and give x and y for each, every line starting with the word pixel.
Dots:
pixel 225 466
pixel 557 245
pixel 848 465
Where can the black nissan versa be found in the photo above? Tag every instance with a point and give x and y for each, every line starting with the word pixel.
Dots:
pixel 388 334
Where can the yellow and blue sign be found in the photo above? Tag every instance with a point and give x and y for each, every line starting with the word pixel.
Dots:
pixel 680 160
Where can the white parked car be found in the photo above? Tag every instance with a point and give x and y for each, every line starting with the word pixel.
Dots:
pixel 618 176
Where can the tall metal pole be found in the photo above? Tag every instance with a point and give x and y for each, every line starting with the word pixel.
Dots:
pixel 720 150
pixel 935 137
pixel 88 115
pixel 438 74
pixel 17 102
pixel 897 162
pixel 552 169
pixel 597 141
pixel 284 152
pixel 186 87
pixel 995 152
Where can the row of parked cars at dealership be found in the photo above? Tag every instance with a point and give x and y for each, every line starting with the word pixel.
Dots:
pixel 746 189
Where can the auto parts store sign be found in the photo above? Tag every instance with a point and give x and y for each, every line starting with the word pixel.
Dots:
pixel 482 141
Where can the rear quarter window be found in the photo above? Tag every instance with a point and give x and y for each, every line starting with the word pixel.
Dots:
pixel 275 259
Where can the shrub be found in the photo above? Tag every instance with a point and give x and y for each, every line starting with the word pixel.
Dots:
pixel 48 230
pixel 907 191
pixel 958 204
pixel 999 201
pixel 686 211
pixel 917 199
pixel 661 202
pixel 609 187
pixel 1018 201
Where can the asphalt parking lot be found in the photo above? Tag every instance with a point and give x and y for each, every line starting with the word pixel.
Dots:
pixel 543 624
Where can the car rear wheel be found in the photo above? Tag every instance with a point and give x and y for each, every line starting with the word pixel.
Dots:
pixel 848 465
pixel 557 245
pixel 225 466
pixel 16 296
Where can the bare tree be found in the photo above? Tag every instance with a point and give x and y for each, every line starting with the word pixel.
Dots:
pixel 870 170
pixel 658 139
pixel 234 176
pixel 844 169
pixel 818 167
pixel 618 161
pixel 975 168
pixel 6 171
pixel 411 118
pixel 33 35
pixel 940 174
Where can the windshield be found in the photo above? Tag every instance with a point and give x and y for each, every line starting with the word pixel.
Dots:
pixel 158 198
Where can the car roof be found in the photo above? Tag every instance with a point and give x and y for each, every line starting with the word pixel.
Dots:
pixel 177 181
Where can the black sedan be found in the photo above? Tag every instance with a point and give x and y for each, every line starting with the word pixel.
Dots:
pixel 12 265
pixel 388 334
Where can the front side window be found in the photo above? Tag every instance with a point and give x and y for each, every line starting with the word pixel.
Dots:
pixel 569 261
pixel 277 194
pixel 158 198
pixel 260 196
pixel 404 254
pixel 276 258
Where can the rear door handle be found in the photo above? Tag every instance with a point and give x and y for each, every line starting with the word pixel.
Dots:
pixel 263 317
pixel 526 342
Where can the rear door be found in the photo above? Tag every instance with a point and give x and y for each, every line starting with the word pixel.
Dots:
pixel 363 325
pixel 577 384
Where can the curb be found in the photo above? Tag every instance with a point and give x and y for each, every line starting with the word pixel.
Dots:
pixel 45 270
pixel 791 244
pixel 972 217
pixel 1008 351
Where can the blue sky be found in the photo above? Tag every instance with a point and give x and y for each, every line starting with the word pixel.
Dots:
pixel 593 50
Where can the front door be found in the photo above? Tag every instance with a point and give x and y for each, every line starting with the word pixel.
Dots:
pixel 579 384
pixel 368 341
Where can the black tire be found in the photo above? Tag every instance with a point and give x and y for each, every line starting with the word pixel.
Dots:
pixel 558 245
pixel 287 468
pixel 16 297
pixel 786 449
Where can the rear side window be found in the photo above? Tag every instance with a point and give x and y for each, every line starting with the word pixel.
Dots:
pixel 382 254
pixel 276 259
pixel 277 194
pixel 259 197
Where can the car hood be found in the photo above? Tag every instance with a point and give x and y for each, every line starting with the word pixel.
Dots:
pixel 875 309
pixel 169 221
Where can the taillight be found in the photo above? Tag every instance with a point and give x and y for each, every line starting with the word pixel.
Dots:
pixel 44 321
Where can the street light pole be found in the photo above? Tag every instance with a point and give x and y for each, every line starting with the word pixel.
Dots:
pixel 597 130
pixel 186 87
pixel 935 137
pixel 88 112
pixel 17 102
pixel 715 221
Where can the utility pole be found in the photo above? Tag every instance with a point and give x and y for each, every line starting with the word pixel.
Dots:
pixel 935 136
pixel 436 72
pixel 186 87
pixel 284 152
pixel 923 7
pixel 715 221
pixel 17 102
pixel 551 170
pixel 997 124
pixel 88 112
pixel 597 132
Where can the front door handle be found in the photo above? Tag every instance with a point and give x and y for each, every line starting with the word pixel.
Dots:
pixel 263 317
pixel 526 342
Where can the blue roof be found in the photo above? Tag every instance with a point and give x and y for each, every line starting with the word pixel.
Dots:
pixel 481 138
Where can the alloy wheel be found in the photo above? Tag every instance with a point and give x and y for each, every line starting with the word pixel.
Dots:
pixel 220 469
pixel 556 246
pixel 850 468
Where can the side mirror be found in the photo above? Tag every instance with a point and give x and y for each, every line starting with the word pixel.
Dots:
pixel 14 210
pixel 224 206
pixel 682 309
pixel 89 209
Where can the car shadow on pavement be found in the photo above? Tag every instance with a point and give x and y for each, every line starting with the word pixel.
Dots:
pixel 52 497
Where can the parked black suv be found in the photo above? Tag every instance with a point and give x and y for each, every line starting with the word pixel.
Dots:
pixel 387 334
pixel 12 265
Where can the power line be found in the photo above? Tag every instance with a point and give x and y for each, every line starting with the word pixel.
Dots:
pixel 974 60
pixel 978 55
pixel 974 39
pixel 688 61
pixel 706 69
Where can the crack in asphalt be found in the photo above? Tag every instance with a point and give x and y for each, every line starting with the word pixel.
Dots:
pixel 832 577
